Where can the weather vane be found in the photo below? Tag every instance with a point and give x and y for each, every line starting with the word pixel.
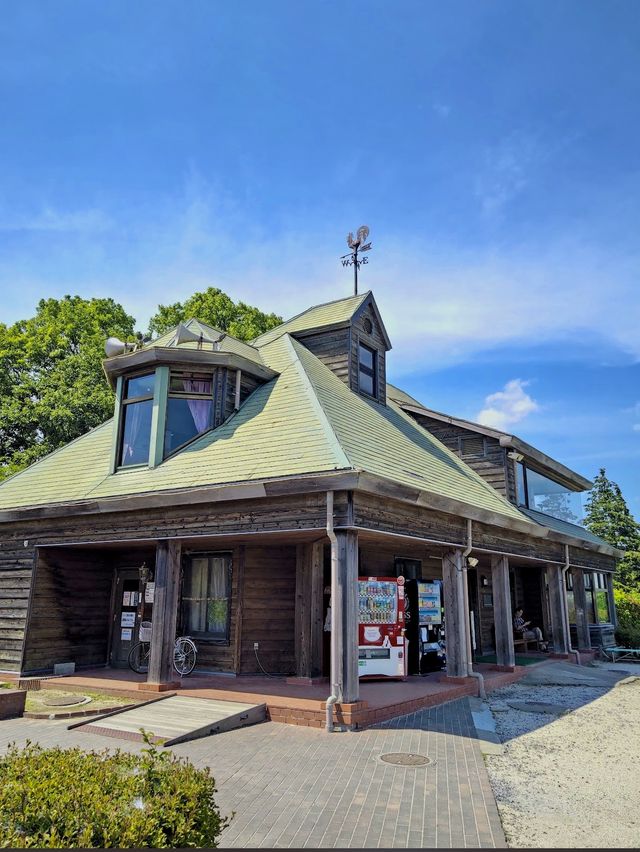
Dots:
pixel 360 244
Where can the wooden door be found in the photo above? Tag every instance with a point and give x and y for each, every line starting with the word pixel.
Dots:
pixel 126 619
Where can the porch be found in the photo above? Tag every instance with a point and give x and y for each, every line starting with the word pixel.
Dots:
pixel 296 704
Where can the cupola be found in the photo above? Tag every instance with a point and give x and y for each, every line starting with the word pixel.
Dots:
pixel 175 388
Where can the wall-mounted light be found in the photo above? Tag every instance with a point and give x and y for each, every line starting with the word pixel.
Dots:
pixel 472 561
pixel 515 456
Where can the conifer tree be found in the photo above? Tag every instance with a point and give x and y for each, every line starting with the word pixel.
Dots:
pixel 607 515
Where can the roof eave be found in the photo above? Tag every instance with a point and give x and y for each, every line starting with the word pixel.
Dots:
pixel 152 357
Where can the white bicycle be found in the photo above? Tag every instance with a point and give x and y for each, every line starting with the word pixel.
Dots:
pixel 185 654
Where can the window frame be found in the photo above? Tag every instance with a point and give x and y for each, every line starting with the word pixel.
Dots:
pixel 524 468
pixel 134 400
pixel 187 562
pixel 370 372
pixel 203 376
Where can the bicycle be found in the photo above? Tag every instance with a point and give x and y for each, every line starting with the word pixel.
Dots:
pixel 185 654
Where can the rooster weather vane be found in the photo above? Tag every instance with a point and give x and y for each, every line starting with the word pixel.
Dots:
pixel 360 244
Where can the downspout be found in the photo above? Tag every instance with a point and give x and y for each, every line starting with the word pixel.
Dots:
pixel 465 594
pixel 565 608
pixel 336 690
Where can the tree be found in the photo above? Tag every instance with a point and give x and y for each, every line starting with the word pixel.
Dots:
pixel 215 308
pixel 52 387
pixel 608 516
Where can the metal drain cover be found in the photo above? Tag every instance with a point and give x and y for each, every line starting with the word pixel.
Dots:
pixel 65 700
pixel 403 758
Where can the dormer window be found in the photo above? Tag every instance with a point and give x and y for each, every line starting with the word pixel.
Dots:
pixel 137 409
pixel 189 408
pixel 367 380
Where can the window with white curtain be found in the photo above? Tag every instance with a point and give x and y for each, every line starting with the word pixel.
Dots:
pixel 206 596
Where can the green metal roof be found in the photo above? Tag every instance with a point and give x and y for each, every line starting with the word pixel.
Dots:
pixel 304 421
pixel 565 527
pixel 227 344
pixel 320 316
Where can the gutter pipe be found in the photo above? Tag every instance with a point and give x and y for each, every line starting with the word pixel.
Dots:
pixel 336 621
pixel 465 598
pixel 565 608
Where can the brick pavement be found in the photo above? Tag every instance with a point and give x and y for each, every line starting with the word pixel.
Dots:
pixel 300 787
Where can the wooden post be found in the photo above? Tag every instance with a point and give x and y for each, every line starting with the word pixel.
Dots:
pixel 559 636
pixel 302 612
pixel 454 625
pixel 503 617
pixel 165 612
pixel 347 603
pixel 316 613
pixel 580 603
pixel 239 571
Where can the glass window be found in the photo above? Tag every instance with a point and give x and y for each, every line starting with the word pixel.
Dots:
pixel 140 386
pixel 367 370
pixel 206 596
pixel 602 599
pixel 189 409
pixel 520 485
pixel 135 420
pixel 553 499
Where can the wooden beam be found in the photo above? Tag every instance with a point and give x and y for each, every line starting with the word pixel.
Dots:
pixel 580 605
pixel 347 601
pixel 303 612
pixel 454 626
pixel 165 611
pixel 239 569
pixel 555 581
pixel 317 601
pixel 503 616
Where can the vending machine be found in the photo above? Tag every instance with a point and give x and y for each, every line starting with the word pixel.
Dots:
pixel 432 647
pixel 381 630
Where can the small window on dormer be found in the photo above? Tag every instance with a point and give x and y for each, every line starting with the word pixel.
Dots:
pixel 367 370
pixel 137 407
pixel 189 408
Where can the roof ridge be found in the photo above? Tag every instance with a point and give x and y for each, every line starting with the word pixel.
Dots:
pixel 306 311
pixel 329 430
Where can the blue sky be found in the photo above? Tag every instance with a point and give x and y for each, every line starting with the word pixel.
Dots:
pixel 151 149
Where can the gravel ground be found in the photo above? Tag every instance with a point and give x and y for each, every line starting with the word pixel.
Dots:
pixel 571 780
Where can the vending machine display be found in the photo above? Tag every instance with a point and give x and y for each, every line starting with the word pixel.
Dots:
pixel 381 629
pixel 424 627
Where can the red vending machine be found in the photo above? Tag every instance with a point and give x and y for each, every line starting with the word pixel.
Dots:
pixel 381 630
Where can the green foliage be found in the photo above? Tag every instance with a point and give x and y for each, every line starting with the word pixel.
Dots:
pixel 52 388
pixel 66 799
pixel 215 308
pixel 608 516
pixel 628 610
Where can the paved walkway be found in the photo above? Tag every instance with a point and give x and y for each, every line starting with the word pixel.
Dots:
pixel 293 786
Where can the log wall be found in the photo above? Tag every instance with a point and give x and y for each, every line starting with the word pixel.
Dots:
pixel 480 452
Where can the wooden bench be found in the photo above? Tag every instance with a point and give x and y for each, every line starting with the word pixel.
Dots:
pixel 525 643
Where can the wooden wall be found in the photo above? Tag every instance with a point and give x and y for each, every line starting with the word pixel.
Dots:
pixel 268 610
pixel 332 348
pixel 480 452
pixel 378 559
pixel 69 619
pixel 16 567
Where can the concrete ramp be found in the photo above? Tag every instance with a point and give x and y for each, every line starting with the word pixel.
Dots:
pixel 175 719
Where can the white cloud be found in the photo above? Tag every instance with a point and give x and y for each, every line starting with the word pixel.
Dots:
pixel 507 406
pixel 91 220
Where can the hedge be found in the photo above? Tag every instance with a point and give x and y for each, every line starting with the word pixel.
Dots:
pixel 68 798
pixel 628 611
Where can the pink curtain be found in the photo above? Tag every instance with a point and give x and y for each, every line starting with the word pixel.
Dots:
pixel 200 408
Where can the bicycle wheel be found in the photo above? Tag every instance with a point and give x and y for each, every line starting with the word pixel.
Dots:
pixel 139 657
pixel 184 656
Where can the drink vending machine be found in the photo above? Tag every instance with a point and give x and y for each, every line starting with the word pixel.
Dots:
pixel 425 627
pixel 381 630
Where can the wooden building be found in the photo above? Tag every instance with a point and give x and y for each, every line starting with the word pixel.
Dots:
pixel 237 484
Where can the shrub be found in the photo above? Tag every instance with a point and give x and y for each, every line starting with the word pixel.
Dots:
pixel 628 610
pixel 58 798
